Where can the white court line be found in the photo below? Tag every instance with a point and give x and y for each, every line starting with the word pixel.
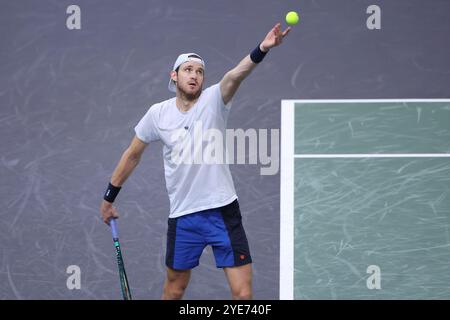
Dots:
pixel 287 202
pixel 373 155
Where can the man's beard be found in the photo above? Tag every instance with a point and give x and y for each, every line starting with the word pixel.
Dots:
pixel 189 96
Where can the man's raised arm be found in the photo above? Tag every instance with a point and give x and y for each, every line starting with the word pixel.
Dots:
pixel 233 78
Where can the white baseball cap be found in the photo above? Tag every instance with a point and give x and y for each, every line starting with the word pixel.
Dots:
pixel 182 58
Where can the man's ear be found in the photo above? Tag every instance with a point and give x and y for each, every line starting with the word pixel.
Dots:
pixel 173 75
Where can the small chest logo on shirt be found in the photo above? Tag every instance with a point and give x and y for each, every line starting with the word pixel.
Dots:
pixel 186 127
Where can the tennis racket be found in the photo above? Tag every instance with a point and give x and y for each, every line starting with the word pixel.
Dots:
pixel 122 274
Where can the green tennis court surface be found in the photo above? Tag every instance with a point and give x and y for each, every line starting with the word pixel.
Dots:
pixel 365 199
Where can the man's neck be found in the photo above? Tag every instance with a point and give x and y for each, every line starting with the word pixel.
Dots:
pixel 183 104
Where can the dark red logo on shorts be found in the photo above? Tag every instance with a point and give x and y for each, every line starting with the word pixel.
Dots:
pixel 242 257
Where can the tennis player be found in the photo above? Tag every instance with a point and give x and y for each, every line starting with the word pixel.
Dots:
pixel 204 209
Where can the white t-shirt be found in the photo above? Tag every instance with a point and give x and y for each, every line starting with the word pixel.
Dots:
pixel 194 181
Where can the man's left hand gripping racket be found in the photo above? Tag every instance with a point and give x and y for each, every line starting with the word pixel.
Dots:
pixel 122 274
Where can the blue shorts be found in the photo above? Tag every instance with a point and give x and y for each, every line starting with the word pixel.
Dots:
pixel 221 228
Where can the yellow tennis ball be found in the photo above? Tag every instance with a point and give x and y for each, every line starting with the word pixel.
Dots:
pixel 292 18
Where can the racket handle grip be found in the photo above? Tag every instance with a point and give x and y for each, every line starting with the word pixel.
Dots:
pixel 115 233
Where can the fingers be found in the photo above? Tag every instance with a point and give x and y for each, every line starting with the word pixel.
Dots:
pixel 108 222
pixel 277 34
pixel 109 214
pixel 276 28
pixel 108 219
pixel 285 32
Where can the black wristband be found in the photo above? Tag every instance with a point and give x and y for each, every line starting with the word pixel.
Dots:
pixel 257 55
pixel 111 193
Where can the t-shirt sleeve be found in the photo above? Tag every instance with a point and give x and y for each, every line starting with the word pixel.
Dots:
pixel 217 96
pixel 146 130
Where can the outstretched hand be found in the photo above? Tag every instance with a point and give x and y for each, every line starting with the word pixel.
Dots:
pixel 274 37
